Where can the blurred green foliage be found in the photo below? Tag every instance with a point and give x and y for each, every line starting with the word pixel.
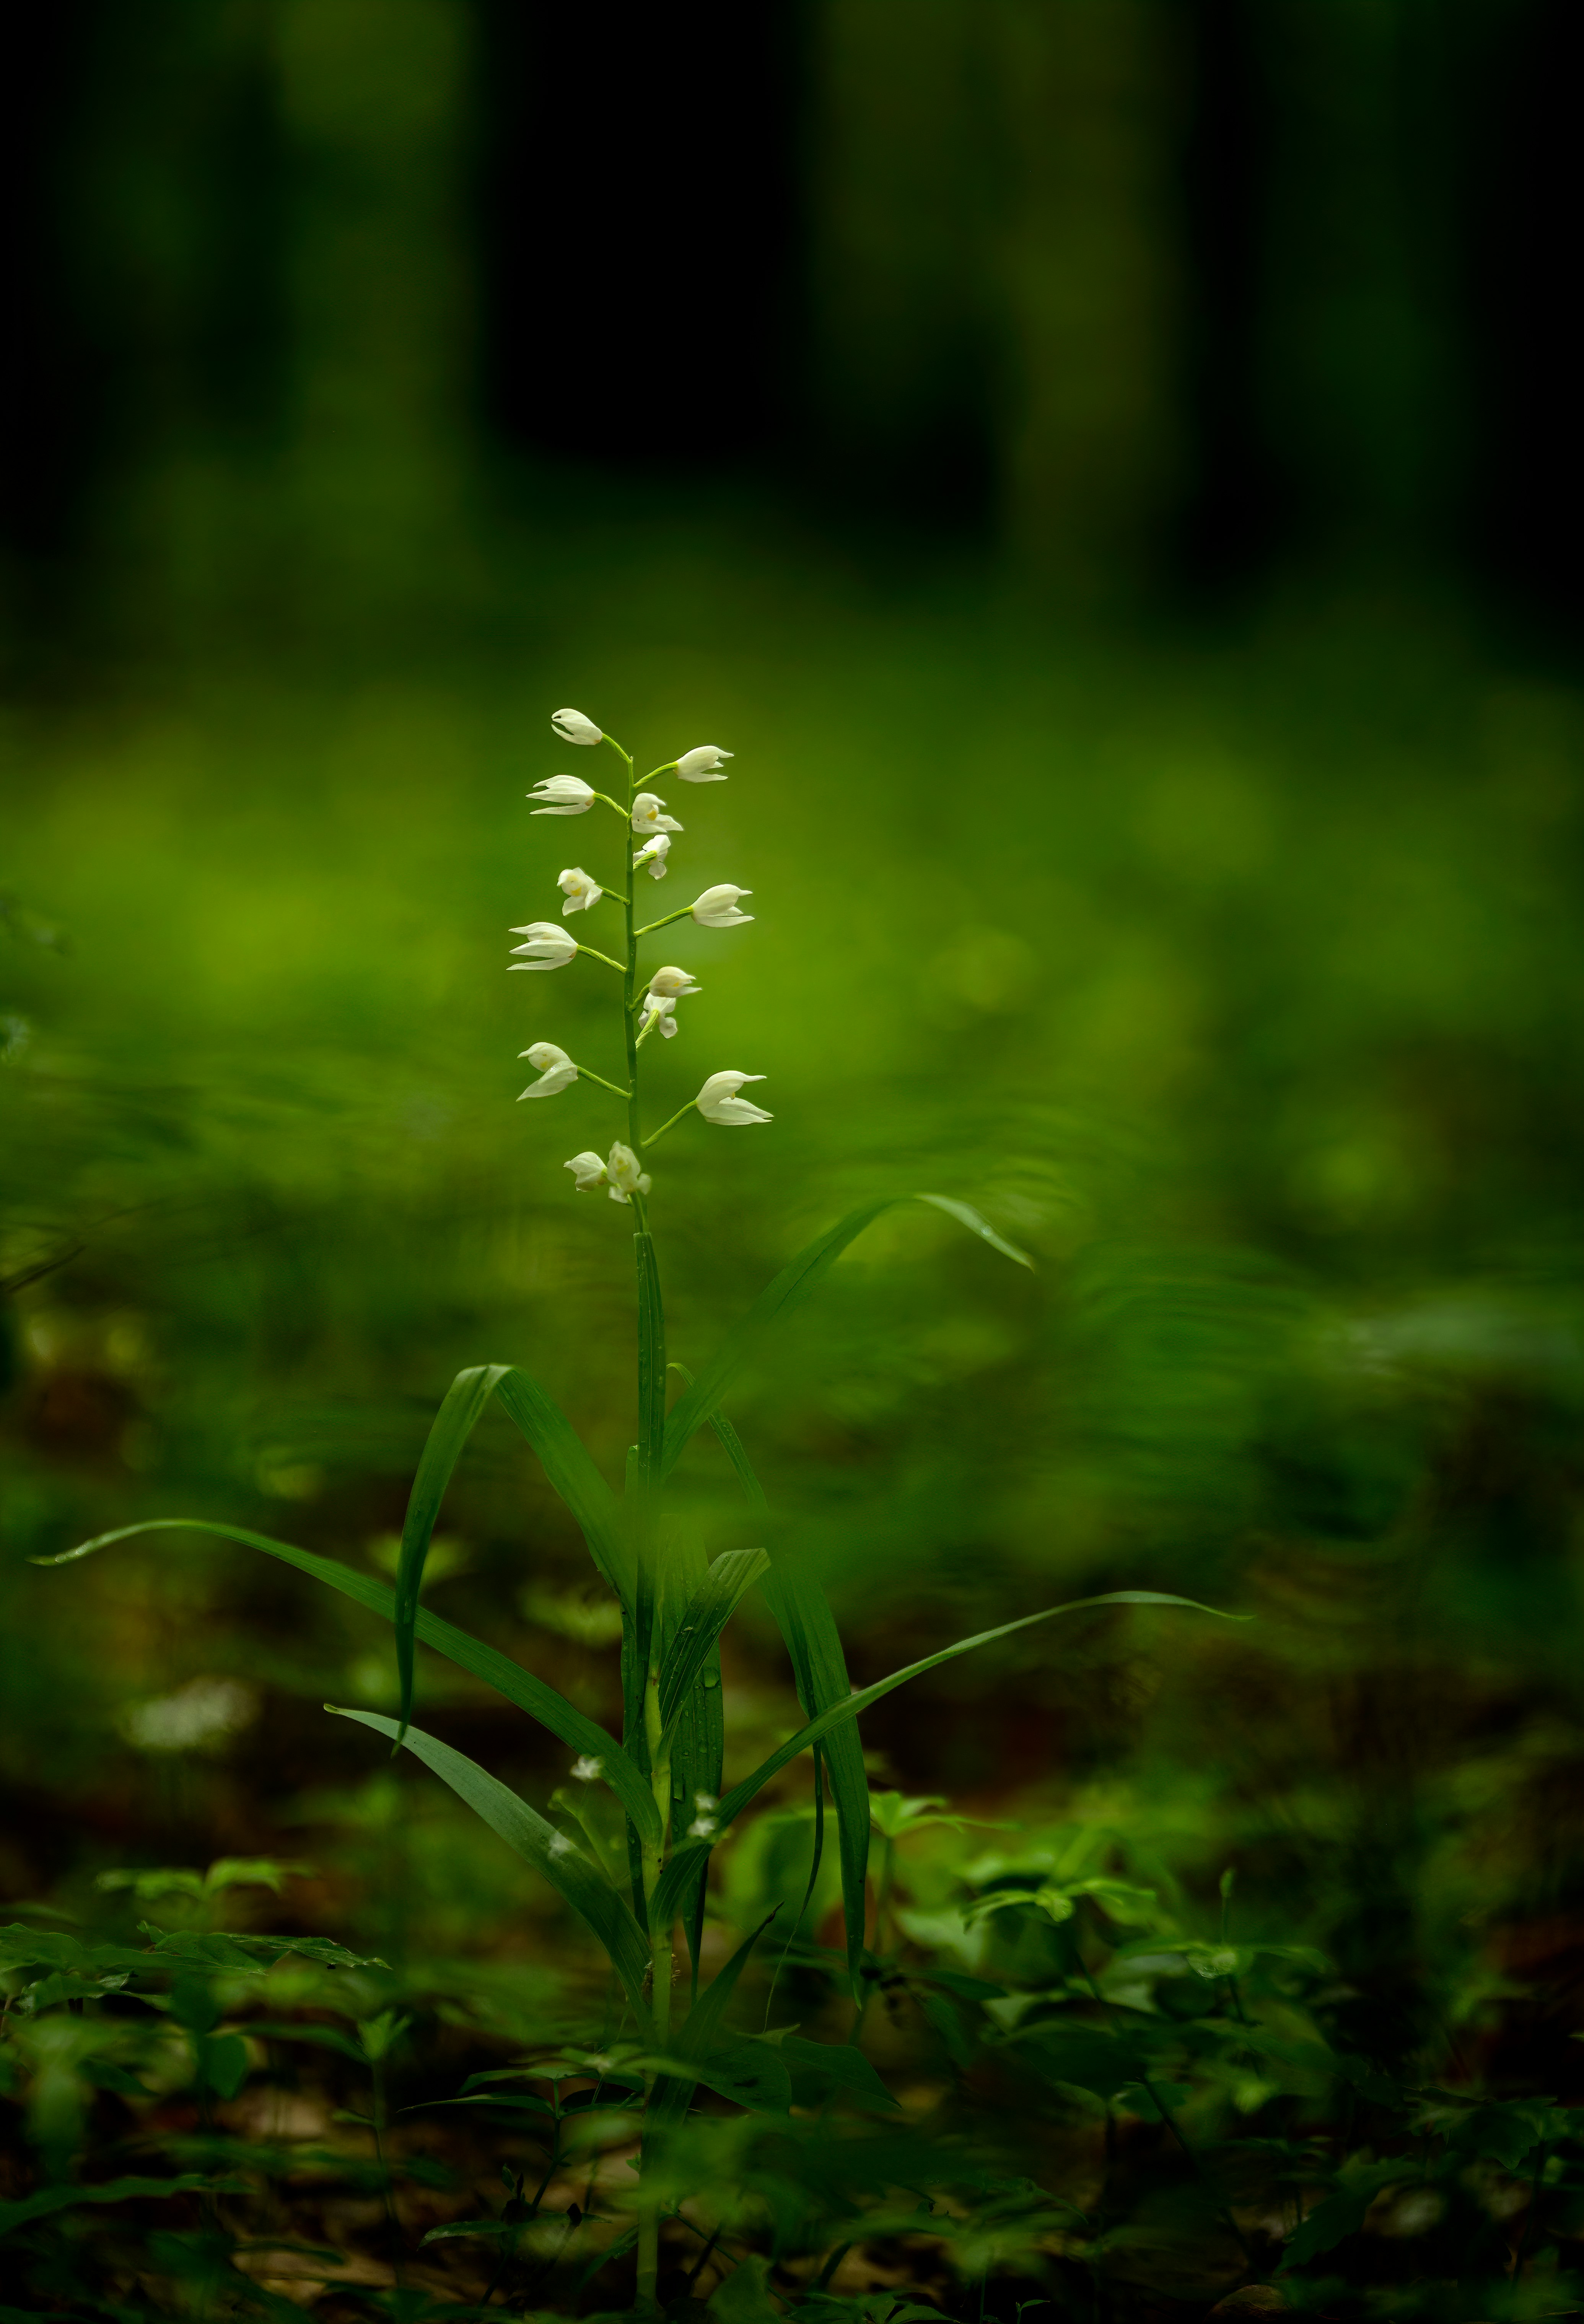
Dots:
pixel 1233 971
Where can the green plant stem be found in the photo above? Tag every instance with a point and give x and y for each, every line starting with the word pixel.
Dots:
pixel 605 955
pixel 679 914
pixel 655 1136
pixel 583 1075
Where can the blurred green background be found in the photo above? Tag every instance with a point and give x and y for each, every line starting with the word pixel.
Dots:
pixel 1109 471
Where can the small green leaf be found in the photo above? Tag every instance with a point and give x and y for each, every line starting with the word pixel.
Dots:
pixel 707 1614
pixel 836 2062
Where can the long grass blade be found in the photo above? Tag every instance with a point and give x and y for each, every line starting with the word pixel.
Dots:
pixel 728 1582
pixel 780 1299
pixel 819 1668
pixel 540 1700
pixel 565 1460
pixel 539 1843
pixel 669 2100
pixel 684 1867
pixel 452 1426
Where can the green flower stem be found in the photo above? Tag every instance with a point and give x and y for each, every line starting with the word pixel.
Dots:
pixel 605 955
pixel 656 1135
pixel 681 913
pixel 583 1075
pixel 616 806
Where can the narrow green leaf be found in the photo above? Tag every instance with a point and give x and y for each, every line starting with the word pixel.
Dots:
pixel 449 1431
pixel 684 1867
pixel 670 2098
pixel 565 1462
pixel 729 1580
pixel 539 1843
pixel 734 1451
pixel 112 2191
pixel 820 1668
pixel 786 1293
pixel 838 2062
pixel 540 1700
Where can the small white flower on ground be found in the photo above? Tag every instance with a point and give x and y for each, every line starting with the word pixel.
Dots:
pixel 573 727
pixel 626 1179
pixel 651 857
pixel 547 945
pixel 647 817
pixel 581 892
pixel 671 983
pixel 556 1070
pixel 586 1770
pixel 718 1101
pixel 717 908
pixel 661 1005
pixel 702 765
pixel 588 1171
pixel 563 795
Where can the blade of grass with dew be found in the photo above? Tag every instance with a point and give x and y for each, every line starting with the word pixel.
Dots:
pixel 728 1582
pixel 519 1687
pixel 684 1867
pixel 539 1843
pixel 786 1293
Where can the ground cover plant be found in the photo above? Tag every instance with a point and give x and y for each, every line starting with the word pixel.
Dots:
pixel 1096 2081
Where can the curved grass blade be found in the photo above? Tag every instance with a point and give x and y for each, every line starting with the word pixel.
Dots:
pixel 540 1700
pixel 729 1580
pixel 452 1426
pixel 786 1293
pixel 565 1462
pixel 539 1843
pixel 820 1668
pixel 734 1451
pixel 684 1866
pixel 671 2093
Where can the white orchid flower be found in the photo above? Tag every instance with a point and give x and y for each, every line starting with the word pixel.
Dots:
pixel 626 1179
pixel 588 1171
pixel 717 908
pixel 556 1070
pixel 702 764
pixel 564 795
pixel 547 945
pixel 672 984
pixel 573 727
pixel 658 1008
pixel 581 892
pixel 651 856
pixel 647 817
pixel 718 1101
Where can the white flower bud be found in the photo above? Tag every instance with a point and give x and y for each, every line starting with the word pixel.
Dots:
pixel 647 817
pixel 718 1101
pixel 702 1828
pixel 588 1171
pixel 651 857
pixel 701 765
pixel 556 1069
pixel 672 984
pixel 573 727
pixel 626 1179
pixel 563 795
pixel 717 908
pixel 547 945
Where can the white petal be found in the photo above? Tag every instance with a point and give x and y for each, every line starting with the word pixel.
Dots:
pixel 544 1054
pixel 573 727
pixel 702 764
